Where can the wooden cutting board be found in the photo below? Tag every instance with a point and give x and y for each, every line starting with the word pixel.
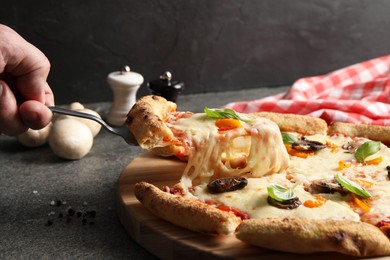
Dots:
pixel 168 241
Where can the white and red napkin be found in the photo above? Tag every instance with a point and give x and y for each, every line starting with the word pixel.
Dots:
pixel 359 93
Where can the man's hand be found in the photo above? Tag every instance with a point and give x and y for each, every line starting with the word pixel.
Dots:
pixel 24 92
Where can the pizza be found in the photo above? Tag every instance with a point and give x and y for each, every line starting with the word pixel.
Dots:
pixel 284 182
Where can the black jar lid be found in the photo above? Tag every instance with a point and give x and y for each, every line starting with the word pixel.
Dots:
pixel 166 86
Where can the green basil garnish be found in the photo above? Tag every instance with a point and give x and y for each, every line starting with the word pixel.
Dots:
pixel 280 193
pixel 353 187
pixel 223 113
pixel 367 149
pixel 288 138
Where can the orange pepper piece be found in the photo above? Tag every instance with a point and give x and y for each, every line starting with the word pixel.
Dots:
pixel 344 165
pixel 318 202
pixel 298 153
pixel 227 124
pixel 375 161
pixel 334 147
pixel 365 183
pixel 361 203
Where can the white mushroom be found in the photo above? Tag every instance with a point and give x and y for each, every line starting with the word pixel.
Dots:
pixel 34 138
pixel 75 106
pixel 92 125
pixel 70 139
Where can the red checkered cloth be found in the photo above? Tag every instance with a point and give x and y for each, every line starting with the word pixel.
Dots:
pixel 359 93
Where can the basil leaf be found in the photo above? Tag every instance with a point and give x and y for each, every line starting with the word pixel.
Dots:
pixel 223 113
pixel 367 149
pixel 288 138
pixel 353 187
pixel 280 193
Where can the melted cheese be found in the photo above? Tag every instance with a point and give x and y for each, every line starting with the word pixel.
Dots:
pixel 323 165
pixel 214 154
pixel 253 200
pixel 258 143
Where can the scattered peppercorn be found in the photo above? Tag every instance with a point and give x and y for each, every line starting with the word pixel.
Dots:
pixel 71 212
pixel 92 213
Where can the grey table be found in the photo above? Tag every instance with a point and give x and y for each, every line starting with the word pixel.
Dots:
pixel 31 180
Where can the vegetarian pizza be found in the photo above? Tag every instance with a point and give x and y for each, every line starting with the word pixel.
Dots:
pixel 279 181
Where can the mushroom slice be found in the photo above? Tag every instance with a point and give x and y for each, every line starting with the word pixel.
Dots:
pixel 307 145
pixel 326 186
pixel 350 147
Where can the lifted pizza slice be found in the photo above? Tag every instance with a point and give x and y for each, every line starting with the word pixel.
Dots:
pixel 216 144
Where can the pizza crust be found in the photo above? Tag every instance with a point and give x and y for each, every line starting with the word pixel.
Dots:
pixel 185 212
pixel 372 132
pixel 300 235
pixel 146 120
pixel 306 125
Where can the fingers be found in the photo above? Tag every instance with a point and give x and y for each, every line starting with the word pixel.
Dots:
pixel 27 65
pixel 25 68
pixel 31 77
pixel 16 120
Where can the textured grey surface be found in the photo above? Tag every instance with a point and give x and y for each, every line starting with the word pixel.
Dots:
pixel 31 178
pixel 212 45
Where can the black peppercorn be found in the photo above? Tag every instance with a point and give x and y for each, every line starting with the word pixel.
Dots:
pixel 84 221
pixel 92 213
pixel 71 212
pixel 49 223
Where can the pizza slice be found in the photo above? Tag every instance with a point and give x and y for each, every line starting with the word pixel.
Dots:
pixel 266 177
pixel 216 143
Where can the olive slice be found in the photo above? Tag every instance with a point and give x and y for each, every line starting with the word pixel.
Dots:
pixel 227 184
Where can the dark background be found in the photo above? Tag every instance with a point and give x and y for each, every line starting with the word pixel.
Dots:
pixel 211 45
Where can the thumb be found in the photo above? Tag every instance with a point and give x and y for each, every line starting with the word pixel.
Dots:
pixel 10 121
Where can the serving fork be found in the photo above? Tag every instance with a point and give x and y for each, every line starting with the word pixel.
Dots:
pixel 122 131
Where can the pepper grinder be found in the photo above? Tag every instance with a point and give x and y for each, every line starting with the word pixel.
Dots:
pixel 124 85
pixel 166 87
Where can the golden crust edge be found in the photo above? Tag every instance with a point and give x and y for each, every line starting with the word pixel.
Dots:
pixel 372 132
pixel 300 235
pixel 303 124
pixel 146 120
pixel 185 212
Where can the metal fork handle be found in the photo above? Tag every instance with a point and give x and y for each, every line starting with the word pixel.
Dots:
pixel 83 115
